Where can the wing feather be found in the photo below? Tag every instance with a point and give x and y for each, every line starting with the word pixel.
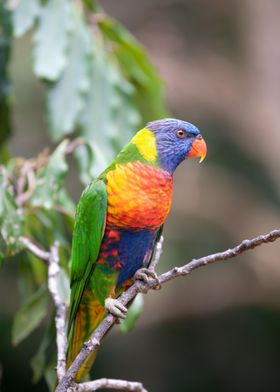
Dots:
pixel 87 236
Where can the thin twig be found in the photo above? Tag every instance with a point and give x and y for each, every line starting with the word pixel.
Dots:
pixel 35 249
pixel 74 144
pixel 244 246
pixel 28 177
pixel 64 211
pixel 157 255
pixel 108 383
pixel 140 286
pixel 60 307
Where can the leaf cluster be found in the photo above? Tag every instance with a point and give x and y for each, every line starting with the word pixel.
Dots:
pixel 100 88
pixel 99 82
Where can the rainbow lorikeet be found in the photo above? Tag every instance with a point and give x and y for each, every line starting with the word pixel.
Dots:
pixel 118 221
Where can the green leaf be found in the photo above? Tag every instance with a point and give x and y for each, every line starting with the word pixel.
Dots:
pixel 38 362
pixel 3 249
pixel 66 98
pixel 108 118
pixel 136 67
pixel 45 227
pixel 24 16
pixel 39 269
pixel 125 91
pixel 50 375
pixel 50 181
pixel 133 314
pixel 52 38
pixel 92 6
pixel 11 219
pixel 2 256
pixel 5 48
pixel 26 280
pixel 91 160
pixel 30 315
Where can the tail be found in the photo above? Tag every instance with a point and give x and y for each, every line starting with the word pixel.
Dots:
pixel 89 315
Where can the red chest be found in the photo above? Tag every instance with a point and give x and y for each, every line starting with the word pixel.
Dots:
pixel 139 196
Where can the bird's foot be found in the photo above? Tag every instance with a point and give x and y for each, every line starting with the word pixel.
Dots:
pixel 115 307
pixel 147 275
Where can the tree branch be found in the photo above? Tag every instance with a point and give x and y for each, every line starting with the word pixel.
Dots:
pixel 244 246
pixel 140 286
pixel 157 255
pixel 52 259
pixel 35 249
pixel 60 307
pixel 74 144
pixel 108 383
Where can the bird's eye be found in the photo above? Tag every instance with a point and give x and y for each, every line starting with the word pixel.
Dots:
pixel 181 134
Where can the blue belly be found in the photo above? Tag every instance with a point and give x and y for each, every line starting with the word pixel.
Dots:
pixel 134 251
pixel 127 252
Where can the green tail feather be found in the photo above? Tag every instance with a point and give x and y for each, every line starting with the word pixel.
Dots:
pixel 89 315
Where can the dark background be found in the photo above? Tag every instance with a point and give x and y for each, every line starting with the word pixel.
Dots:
pixel 218 329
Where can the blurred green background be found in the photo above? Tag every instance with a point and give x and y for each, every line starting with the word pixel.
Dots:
pixel 219 328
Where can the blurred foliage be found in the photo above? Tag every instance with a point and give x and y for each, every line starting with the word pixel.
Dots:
pixel 10 218
pixel 227 153
pixel 99 86
pixel 98 78
pixel 30 315
pixel 5 46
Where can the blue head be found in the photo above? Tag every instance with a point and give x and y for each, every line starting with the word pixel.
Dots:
pixel 176 140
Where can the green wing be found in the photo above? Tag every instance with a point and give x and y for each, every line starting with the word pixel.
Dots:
pixel 87 236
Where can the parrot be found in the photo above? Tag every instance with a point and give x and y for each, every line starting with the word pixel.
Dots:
pixel 118 222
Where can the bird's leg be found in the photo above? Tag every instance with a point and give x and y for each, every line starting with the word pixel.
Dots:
pixel 146 275
pixel 115 307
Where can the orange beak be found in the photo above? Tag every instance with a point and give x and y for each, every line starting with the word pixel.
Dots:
pixel 198 150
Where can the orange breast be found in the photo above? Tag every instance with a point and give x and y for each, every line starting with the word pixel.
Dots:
pixel 139 196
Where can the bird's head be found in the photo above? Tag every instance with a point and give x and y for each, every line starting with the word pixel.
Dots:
pixel 170 141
